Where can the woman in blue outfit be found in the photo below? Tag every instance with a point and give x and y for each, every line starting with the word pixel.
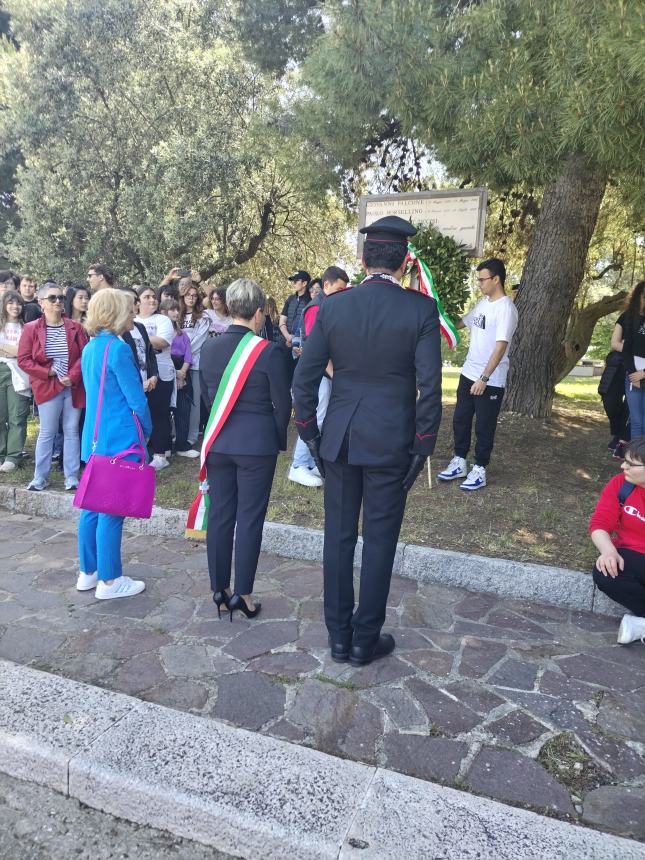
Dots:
pixel 99 535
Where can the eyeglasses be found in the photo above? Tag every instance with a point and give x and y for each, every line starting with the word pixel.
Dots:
pixel 631 465
pixel 53 299
pixel 489 278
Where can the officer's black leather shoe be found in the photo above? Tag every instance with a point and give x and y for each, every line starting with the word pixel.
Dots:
pixel 339 649
pixel 361 656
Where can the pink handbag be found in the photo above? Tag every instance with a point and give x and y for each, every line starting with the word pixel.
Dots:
pixel 114 485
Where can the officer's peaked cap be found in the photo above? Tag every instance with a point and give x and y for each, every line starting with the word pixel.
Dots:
pixel 389 229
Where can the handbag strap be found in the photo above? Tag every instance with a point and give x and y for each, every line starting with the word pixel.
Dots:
pixel 100 403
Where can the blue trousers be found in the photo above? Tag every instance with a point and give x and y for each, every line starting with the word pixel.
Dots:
pixel 636 402
pixel 99 544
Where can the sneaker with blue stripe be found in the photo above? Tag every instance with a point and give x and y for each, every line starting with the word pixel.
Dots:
pixel 456 468
pixel 475 480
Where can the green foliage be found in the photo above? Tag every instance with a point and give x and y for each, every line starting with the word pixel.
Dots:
pixel 147 140
pixel 502 90
pixel 275 32
pixel 449 266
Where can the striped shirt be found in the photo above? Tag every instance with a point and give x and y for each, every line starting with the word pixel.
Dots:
pixel 56 349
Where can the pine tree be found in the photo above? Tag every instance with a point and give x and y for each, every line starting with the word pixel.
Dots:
pixel 543 93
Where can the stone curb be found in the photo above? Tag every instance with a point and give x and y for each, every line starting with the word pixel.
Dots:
pixel 522 580
pixel 252 795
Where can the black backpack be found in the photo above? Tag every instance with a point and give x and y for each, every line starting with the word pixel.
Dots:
pixel 624 492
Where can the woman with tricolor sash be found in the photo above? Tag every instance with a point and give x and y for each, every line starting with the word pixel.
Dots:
pixel 245 385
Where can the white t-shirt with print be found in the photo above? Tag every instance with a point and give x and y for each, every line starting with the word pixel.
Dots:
pixel 159 325
pixel 489 322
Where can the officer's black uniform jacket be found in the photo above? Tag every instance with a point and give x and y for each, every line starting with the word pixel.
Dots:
pixel 258 422
pixel 384 343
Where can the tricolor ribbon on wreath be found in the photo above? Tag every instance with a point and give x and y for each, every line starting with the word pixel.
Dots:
pixel 229 389
pixel 426 285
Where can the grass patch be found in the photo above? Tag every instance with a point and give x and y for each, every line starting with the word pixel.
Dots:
pixel 335 682
pixel 567 762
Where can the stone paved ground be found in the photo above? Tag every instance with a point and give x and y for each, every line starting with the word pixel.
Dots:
pixel 529 704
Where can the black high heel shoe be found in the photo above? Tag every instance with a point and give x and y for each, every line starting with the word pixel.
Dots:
pixel 220 597
pixel 237 602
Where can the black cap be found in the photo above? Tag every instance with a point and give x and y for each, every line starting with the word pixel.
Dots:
pixel 301 275
pixel 389 229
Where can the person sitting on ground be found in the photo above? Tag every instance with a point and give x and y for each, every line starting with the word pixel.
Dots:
pixel 99 535
pixel 49 352
pixel 15 391
pixel 32 310
pixel 617 528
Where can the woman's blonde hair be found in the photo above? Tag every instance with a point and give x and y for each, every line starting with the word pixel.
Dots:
pixel 108 310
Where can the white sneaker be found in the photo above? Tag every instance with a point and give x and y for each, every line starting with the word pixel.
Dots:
pixel 303 475
pixel 191 453
pixel 456 468
pixel 158 462
pixel 475 480
pixel 123 586
pixel 7 466
pixel 314 471
pixel 86 581
pixel 632 628
pixel 71 483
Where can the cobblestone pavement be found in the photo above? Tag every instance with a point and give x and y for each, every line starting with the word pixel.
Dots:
pixel 529 704
pixel 39 824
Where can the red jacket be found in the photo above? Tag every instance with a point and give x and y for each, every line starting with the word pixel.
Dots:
pixel 626 525
pixel 33 360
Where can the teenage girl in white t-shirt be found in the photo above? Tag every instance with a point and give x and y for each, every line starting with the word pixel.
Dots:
pixel 160 333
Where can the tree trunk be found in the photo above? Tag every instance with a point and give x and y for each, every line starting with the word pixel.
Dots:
pixel 551 279
pixel 580 330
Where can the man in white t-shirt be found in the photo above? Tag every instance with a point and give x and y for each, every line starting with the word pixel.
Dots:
pixel 492 323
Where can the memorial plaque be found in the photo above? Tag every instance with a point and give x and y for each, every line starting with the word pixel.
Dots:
pixel 459 213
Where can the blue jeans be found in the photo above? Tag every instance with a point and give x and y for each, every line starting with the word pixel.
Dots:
pixel 99 544
pixel 301 455
pixel 50 414
pixel 636 402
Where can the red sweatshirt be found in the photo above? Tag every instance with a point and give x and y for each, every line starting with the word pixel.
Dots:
pixel 626 525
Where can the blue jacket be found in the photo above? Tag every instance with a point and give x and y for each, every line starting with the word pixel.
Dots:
pixel 122 395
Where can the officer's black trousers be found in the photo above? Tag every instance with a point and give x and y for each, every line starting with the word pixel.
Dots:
pixel 239 488
pixel 484 408
pixel 383 500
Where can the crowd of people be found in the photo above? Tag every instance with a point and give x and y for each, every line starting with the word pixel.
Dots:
pixel 361 371
pixel 40 364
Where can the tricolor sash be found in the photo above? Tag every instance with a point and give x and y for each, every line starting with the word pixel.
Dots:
pixel 426 285
pixel 229 389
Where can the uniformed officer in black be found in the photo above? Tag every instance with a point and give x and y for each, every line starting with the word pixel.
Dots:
pixel 383 342
pixel 242 459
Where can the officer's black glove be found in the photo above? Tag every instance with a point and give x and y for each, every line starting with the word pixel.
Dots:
pixel 314 450
pixel 417 462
